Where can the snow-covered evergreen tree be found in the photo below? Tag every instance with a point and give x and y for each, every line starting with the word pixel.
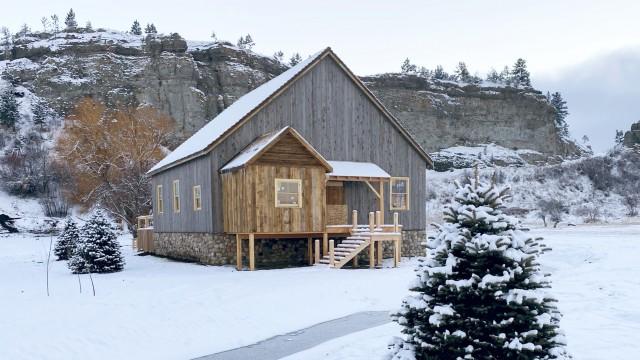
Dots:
pixel 9 114
pixel 520 75
pixel 295 59
pixel 150 29
pixel 439 73
pixel 97 250
pixel 70 20
pixel 136 29
pixel 480 293
pixel 493 76
pixel 560 106
pixel 407 67
pixel 67 241
pixel 462 72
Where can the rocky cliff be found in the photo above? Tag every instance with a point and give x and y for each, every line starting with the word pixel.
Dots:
pixel 632 137
pixel 194 81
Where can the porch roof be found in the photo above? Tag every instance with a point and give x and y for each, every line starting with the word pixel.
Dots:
pixel 355 170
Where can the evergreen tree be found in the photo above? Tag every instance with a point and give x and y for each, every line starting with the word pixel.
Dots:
pixel 505 76
pixel 295 59
pixel 248 42
pixel 424 72
pixel 135 28
pixel 439 73
pixel 70 21
pixel 213 36
pixel 462 72
pixel 480 293
pixel 493 76
pixel 150 29
pixel 9 114
pixel 6 42
pixel 278 56
pixel 88 26
pixel 24 30
pixel 520 75
pixel 55 23
pixel 619 137
pixel 407 67
pixel 67 241
pixel 40 112
pixel 561 112
pixel 98 250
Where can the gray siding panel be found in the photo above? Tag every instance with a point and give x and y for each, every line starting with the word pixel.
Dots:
pixel 195 172
pixel 340 121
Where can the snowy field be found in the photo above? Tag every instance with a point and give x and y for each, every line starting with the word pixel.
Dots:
pixel 162 309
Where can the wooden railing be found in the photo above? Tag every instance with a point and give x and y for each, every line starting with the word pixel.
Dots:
pixel 144 240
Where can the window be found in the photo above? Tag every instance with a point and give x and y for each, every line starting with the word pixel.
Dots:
pixel 176 196
pixel 399 193
pixel 197 198
pixel 159 200
pixel 289 193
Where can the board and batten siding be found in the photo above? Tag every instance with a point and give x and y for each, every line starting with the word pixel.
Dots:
pixel 339 121
pixel 249 200
pixel 190 174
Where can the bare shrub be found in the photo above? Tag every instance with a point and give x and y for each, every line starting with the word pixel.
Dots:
pixel 590 213
pixel 551 209
pixel 631 202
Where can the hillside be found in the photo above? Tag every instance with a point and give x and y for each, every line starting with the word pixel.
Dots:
pixel 194 81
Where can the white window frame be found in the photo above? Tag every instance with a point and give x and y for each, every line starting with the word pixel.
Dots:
pixel 407 193
pixel 277 185
pixel 197 198
pixel 159 199
pixel 176 196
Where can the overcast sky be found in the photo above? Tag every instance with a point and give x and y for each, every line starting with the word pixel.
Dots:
pixel 557 38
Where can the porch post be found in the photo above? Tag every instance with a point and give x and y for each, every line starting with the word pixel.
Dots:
pixel 310 250
pixel 238 252
pixel 325 244
pixel 252 252
pixel 381 202
pixel 372 258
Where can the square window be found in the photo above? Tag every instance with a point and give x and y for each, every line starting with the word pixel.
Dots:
pixel 289 193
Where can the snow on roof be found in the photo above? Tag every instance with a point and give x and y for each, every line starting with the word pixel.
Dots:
pixel 354 168
pixel 252 150
pixel 232 115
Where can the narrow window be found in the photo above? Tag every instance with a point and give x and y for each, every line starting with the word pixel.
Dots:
pixel 197 198
pixel 159 199
pixel 399 193
pixel 289 193
pixel 176 196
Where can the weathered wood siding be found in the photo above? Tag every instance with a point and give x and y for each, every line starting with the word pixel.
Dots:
pixel 195 172
pixel 249 200
pixel 339 121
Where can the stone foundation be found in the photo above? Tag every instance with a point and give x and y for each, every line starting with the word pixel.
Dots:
pixel 220 249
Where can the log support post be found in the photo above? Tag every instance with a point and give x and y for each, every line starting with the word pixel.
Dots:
pixel 238 252
pixel 325 244
pixel 317 252
pixel 372 258
pixel 331 255
pixel 310 250
pixel 252 252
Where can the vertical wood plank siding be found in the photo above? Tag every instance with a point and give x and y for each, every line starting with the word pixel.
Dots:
pixel 339 121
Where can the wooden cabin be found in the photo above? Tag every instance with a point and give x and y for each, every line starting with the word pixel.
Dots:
pixel 308 168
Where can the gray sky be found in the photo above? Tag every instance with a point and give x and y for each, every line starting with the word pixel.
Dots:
pixel 557 38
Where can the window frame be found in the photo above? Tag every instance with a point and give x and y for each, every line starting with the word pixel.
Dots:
pixel 197 205
pixel 176 196
pixel 159 199
pixel 279 181
pixel 407 193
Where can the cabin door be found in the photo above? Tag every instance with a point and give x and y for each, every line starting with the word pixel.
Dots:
pixel 336 203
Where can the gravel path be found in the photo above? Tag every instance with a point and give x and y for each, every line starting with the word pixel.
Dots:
pixel 280 346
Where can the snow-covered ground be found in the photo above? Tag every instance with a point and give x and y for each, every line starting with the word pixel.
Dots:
pixel 595 278
pixel 161 309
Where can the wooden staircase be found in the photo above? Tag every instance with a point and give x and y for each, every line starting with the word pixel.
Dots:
pixel 362 237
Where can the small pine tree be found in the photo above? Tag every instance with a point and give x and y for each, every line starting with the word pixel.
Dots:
pixel 462 72
pixel 55 23
pixel 439 73
pixel 278 56
pixel 505 76
pixel 150 29
pixel 67 241
pixel 9 114
pixel 619 137
pixel 520 75
pixel 135 28
pixel 248 42
pixel 24 30
pixel 213 36
pixel 98 250
pixel 407 67
pixel 88 26
pixel 70 20
pixel 493 76
pixel 40 113
pixel 480 293
pixel 561 112
pixel 295 59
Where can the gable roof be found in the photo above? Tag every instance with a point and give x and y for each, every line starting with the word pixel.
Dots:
pixel 263 143
pixel 216 130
